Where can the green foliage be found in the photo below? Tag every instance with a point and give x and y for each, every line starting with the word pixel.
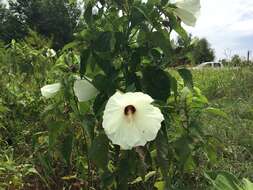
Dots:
pixel 201 51
pixel 53 19
pixel 10 26
pixel 231 91
pixel 226 181
pixel 64 139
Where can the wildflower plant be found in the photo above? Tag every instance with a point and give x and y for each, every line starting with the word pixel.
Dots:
pixel 128 121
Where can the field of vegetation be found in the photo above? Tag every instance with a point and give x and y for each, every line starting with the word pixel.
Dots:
pixel 30 160
pixel 231 91
pixel 100 98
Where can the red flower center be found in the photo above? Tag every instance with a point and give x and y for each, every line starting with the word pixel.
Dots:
pixel 130 109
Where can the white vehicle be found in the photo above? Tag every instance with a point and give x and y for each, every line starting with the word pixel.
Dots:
pixel 217 65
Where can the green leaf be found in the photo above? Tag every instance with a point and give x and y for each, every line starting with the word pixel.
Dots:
pixel 88 124
pixel 160 185
pixel 161 39
pixel 3 109
pixel 183 151
pixel 66 147
pixel 99 105
pixel 216 112
pixel 83 63
pixel 223 181
pixel 187 77
pixel 211 152
pixel 107 180
pixel 105 65
pixel 98 153
pixel 88 13
pixel 164 2
pixel 126 168
pixel 104 84
pixel 153 2
pixel 173 82
pixel 105 42
pixel 162 155
pixel 124 172
pixel 156 83
pixel 247 185
pixel 138 15
pixel 175 25
pixel 54 130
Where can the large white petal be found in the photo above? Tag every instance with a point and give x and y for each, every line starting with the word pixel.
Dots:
pixel 188 11
pixel 50 90
pixel 127 136
pixel 134 130
pixel 149 122
pixel 84 90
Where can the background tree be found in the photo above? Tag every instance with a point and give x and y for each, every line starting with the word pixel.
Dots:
pixel 236 60
pixel 11 27
pixel 55 19
pixel 201 51
pixel 192 51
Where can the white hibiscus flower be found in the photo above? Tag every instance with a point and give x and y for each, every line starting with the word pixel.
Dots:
pixel 188 11
pixel 50 90
pixel 131 120
pixel 83 90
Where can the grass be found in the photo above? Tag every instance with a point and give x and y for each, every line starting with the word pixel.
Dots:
pixel 231 91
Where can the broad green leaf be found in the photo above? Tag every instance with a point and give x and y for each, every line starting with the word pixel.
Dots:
pixel 54 130
pixel 98 153
pixel 164 2
pixel 161 39
pixel 247 185
pixel 105 65
pixel 216 112
pixel 175 25
pixel 88 124
pixel 187 77
pixel 211 153
pixel 156 83
pixel 163 155
pixel 153 2
pixel 223 181
pixel 105 42
pixel 99 105
pixel 88 13
pixel 138 15
pixel 124 173
pixel 104 84
pixel 160 185
pixel 183 151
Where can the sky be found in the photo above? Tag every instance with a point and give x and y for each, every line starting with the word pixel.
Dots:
pixel 227 25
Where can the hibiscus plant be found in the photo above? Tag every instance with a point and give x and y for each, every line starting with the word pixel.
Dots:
pixel 120 118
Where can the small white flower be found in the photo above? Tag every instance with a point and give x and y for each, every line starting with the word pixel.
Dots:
pixel 50 90
pixel 120 13
pixel 188 11
pixel 94 10
pixel 131 120
pixel 84 90
pixel 50 53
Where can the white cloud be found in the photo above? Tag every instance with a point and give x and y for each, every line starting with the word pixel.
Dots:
pixel 225 23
